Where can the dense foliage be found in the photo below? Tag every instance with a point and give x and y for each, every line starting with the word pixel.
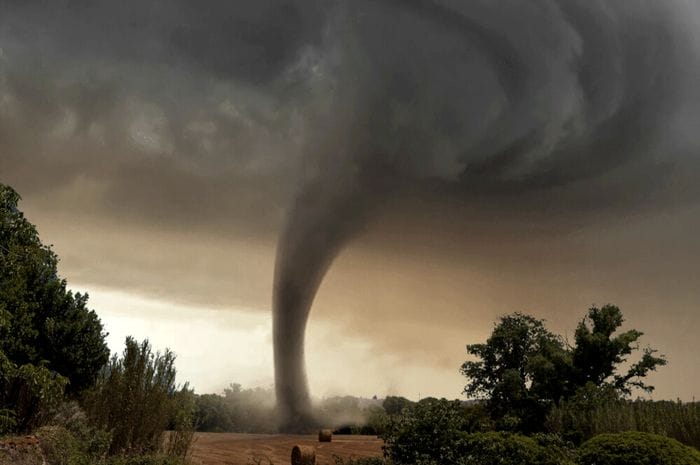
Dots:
pixel 41 322
pixel 393 405
pixel 52 348
pixel 237 410
pixel 523 370
pixel 512 449
pixel 636 448
pixel 29 395
pixel 425 432
pixel 136 398
pixel 593 411
pixel 598 353
pixel 438 432
pixel 434 433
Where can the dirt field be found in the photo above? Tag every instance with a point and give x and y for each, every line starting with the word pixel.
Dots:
pixel 244 449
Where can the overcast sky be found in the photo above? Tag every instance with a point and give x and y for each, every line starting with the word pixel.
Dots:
pixel 491 157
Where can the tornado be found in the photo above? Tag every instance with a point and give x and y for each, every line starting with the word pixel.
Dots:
pixel 317 228
pixel 470 98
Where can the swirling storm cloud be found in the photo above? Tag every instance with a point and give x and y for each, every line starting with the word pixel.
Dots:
pixel 324 116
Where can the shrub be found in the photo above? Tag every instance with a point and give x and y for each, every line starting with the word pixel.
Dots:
pixel 394 405
pixel 636 448
pixel 376 420
pixel 28 395
pixel 61 447
pixel 425 431
pixel 7 422
pixel 180 439
pixel 477 418
pixel 92 442
pixel 212 414
pixel 438 432
pixel 135 398
pixel 512 449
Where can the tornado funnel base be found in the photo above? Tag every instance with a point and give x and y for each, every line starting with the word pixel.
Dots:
pixel 299 423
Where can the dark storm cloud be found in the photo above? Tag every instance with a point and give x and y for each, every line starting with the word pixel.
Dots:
pixel 156 100
pixel 424 90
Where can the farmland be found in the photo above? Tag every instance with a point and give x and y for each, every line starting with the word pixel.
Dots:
pixel 244 449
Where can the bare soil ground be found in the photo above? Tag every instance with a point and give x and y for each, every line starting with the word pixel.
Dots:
pixel 245 449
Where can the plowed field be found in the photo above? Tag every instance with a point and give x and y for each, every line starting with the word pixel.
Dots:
pixel 263 449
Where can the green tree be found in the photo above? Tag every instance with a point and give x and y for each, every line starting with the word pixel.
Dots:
pixel 520 370
pixel 41 322
pixel 393 405
pixel 28 395
pixel 598 352
pixel 523 370
pixel 212 414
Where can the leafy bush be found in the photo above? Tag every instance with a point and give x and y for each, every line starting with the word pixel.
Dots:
pixel 212 414
pixel 512 449
pixel 376 420
pixel 440 432
pixel 7 421
pixel 60 447
pixel 179 441
pixel 394 405
pixel 136 398
pixel 28 395
pixel 636 448
pixel 426 431
pixel 477 418
pixel 92 442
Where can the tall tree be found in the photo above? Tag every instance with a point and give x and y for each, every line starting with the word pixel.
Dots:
pixel 598 352
pixel 41 321
pixel 523 369
pixel 518 370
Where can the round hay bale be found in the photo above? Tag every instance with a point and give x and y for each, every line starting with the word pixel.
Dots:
pixel 325 435
pixel 303 455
